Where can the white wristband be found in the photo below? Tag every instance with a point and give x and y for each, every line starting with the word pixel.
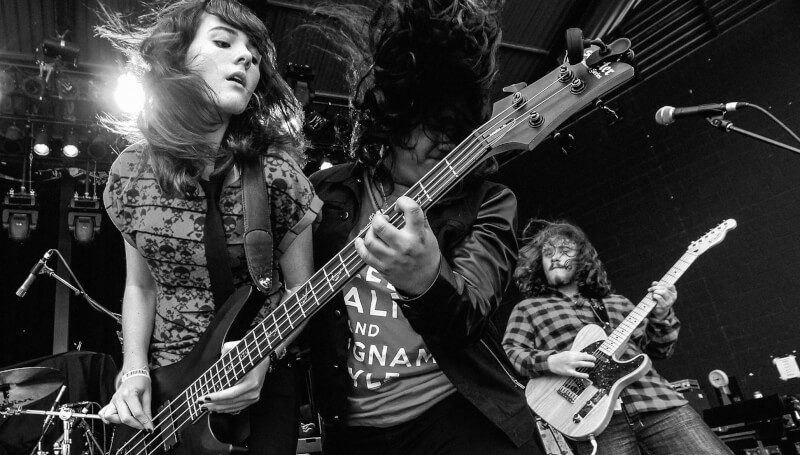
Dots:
pixel 145 372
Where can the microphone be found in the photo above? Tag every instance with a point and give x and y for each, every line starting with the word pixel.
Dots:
pixel 32 274
pixel 50 417
pixel 668 114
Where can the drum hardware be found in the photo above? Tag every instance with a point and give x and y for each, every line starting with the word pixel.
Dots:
pixel 68 417
pixel 23 386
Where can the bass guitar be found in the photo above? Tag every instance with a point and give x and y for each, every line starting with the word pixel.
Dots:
pixel 581 408
pixel 520 121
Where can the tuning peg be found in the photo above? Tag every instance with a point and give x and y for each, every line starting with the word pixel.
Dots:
pixel 513 88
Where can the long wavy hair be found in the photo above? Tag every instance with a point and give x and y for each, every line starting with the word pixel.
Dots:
pixel 529 274
pixel 176 115
pixel 411 63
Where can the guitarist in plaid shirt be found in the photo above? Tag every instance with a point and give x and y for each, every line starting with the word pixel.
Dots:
pixel 565 288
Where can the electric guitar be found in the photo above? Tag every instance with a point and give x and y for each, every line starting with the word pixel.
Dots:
pixel 520 121
pixel 581 408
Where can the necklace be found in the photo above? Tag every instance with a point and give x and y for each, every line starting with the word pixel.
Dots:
pixel 372 184
pixel 383 196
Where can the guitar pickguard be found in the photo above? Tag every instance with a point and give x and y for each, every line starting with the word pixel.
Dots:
pixel 606 372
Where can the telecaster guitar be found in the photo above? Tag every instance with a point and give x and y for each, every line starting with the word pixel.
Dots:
pixel 582 408
pixel 519 122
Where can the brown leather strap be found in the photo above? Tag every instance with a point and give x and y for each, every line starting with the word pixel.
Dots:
pixel 258 239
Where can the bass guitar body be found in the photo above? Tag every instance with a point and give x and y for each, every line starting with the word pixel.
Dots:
pixel 209 434
pixel 580 408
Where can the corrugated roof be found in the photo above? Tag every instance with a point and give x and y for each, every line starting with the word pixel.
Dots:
pixel 662 31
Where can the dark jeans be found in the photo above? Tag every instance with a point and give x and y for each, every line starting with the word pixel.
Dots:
pixel 673 431
pixel 452 427
pixel 275 418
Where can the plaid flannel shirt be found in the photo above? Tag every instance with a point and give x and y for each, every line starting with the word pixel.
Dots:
pixel 542 326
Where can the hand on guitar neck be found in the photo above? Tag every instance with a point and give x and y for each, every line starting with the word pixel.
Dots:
pixel 242 394
pixel 407 256
pixel 664 296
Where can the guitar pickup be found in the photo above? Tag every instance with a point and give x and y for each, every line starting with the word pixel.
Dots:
pixel 573 388
pixel 588 406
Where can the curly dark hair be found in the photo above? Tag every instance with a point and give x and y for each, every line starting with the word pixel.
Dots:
pixel 529 274
pixel 176 114
pixel 415 62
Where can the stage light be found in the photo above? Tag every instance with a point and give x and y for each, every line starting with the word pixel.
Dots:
pixel 129 94
pixel 84 218
pixel 70 149
pixel 13 133
pixel 98 147
pixel 40 144
pixel 20 215
pixel 60 49
pixel 13 139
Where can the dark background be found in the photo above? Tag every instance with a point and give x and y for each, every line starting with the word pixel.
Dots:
pixel 641 191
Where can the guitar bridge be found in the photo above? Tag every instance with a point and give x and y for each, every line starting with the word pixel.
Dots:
pixel 588 406
pixel 573 388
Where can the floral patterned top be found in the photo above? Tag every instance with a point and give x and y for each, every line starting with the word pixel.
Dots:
pixel 168 233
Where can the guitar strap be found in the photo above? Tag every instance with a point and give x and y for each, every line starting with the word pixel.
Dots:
pixel 219 269
pixel 258 239
pixel 599 310
pixel 257 235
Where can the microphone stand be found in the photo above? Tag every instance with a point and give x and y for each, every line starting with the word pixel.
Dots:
pixel 80 292
pixel 88 433
pixel 37 450
pixel 728 126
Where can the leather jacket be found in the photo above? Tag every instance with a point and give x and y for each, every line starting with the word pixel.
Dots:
pixel 476 232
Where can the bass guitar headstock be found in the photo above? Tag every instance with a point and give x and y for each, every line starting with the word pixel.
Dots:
pixel 532 112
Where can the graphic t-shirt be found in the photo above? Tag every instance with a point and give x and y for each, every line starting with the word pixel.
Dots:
pixel 394 377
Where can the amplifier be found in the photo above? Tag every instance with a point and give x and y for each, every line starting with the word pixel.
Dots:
pixel 697 399
pixel 691 391
pixel 309 446
pixel 683 384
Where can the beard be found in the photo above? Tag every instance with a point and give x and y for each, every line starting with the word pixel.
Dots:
pixel 561 275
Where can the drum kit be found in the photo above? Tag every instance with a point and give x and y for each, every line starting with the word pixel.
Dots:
pixel 22 387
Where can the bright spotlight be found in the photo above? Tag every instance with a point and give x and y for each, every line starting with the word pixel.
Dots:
pixel 40 144
pixel 129 94
pixel 70 149
pixel 325 164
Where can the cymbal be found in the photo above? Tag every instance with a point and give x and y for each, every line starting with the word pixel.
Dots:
pixel 23 386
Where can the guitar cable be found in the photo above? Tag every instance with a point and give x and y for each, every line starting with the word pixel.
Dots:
pixel 593 442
